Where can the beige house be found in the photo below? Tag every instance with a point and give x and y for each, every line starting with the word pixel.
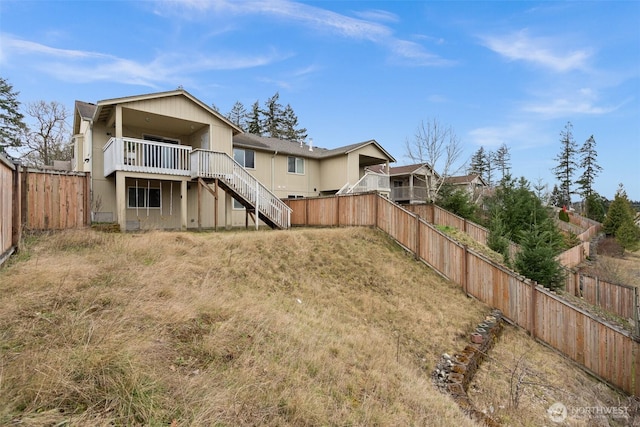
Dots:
pixel 473 184
pixel 167 160
pixel 411 184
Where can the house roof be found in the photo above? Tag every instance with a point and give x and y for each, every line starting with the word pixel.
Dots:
pixel 248 140
pixel 407 169
pixel 85 109
pixel 103 107
pixel 464 179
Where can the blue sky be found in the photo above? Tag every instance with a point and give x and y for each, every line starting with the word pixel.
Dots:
pixel 496 72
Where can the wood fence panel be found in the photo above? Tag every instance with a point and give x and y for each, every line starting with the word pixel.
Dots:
pixel 7 200
pixel 424 211
pixel 399 224
pixel 358 210
pixel 298 210
pixel 477 232
pixel 445 218
pixel 574 256
pixel 55 201
pixel 615 298
pixel 323 212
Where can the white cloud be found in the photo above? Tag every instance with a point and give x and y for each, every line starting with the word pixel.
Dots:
pixel 363 28
pixel 11 44
pixel 378 15
pixel 85 66
pixel 520 134
pixel 583 101
pixel 541 51
pixel 416 54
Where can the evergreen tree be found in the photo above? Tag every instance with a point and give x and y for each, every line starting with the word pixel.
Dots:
pixel 556 198
pixel 594 206
pixel 518 205
pixel 457 200
pixel 290 130
pixel 12 126
pixel 536 259
pixel 273 114
pixel 254 121
pixel 590 167
pixel 238 115
pixel 478 163
pixel 628 235
pixel 619 221
pixel 498 238
pixel 566 163
pixel 503 160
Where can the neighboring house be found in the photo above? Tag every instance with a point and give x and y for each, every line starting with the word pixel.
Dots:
pixel 411 184
pixel 159 160
pixel 294 169
pixel 473 184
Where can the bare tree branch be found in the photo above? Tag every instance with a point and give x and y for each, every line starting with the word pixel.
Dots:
pixel 438 147
pixel 48 138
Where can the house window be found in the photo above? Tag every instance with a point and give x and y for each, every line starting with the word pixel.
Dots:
pixel 295 196
pixel 237 204
pixel 295 165
pixel 246 158
pixel 142 197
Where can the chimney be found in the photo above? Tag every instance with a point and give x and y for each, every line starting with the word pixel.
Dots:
pixel 310 144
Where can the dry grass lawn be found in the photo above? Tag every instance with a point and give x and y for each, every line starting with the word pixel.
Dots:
pixel 300 327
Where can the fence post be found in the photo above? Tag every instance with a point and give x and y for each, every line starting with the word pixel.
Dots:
pixel 532 310
pixel 16 221
pixel 417 250
pixel 24 197
pixel 88 198
pixel 465 271
pixel 375 209
pixel 338 210
pixel 597 291
pixel 636 312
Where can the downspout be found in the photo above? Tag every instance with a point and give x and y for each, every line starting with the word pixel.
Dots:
pixel 90 156
pixel 273 170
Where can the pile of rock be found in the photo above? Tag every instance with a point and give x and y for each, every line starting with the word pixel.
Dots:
pixel 454 373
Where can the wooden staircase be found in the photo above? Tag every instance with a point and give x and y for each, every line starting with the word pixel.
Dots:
pixel 208 166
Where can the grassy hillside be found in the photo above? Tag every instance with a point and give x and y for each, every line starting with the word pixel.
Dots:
pixel 301 327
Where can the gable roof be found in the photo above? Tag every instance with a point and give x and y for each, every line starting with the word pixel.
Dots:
pixel 464 179
pixel 408 169
pixel 104 106
pixel 247 140
pixel 85 109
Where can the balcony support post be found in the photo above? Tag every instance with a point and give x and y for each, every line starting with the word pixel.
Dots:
pixel 121 200
pixel 183 205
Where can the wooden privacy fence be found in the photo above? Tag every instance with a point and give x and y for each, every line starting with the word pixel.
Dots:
pixel 434 214
pixel 39 200
pixel 603 349
pixel 9 208
pixel 54 200
pixel 619 299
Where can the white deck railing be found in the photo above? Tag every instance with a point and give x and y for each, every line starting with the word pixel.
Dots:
pixel 212 164
pixel 371 181
pixel 409 193
pixel 137 155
